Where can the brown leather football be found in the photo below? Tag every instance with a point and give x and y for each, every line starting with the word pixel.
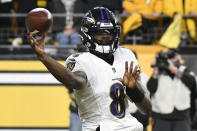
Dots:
pixel 39 20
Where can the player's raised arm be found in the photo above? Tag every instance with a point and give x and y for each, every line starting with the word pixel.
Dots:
pixel 76 80
pixel 133 89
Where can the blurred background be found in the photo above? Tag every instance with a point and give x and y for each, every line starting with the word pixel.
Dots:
pixel 29 95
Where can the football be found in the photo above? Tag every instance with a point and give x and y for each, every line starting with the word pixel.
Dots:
pixel 39 20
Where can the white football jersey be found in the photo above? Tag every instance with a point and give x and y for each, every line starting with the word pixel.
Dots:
pixel 103 102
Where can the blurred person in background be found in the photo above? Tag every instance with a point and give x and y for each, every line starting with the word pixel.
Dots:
pixel 57 6
pixel 143 19
pixel 144 119
pixel 69 35
pixel 173 93
pixel 173 8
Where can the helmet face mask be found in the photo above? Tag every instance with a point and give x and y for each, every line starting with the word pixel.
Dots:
pixel 100 21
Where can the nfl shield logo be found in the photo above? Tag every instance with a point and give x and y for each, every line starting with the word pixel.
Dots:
pixel 114 70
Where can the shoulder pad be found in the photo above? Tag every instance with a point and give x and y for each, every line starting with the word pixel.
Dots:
pixel 75 55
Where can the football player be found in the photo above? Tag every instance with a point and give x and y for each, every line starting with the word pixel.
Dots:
pixel 104 78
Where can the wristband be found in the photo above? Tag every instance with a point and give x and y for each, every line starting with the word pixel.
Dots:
pixel 135 94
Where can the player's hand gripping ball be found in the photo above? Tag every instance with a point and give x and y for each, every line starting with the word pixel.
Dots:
pixel 39 20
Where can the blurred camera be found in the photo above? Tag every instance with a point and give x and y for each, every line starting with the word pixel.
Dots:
pixel 172 52
pixel 162 58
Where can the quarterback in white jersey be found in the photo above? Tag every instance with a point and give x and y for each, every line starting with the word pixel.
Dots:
pixel 104 97
pixel 102 78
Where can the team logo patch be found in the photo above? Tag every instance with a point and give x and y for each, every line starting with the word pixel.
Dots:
pixel 71 64
pixel 114 70
pixel 89 20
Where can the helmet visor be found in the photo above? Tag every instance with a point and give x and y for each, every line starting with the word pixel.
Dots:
pixel 104 36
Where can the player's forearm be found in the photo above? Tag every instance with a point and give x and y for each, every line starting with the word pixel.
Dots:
pixel 144 106
pixel 137 95
pixel 68 78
